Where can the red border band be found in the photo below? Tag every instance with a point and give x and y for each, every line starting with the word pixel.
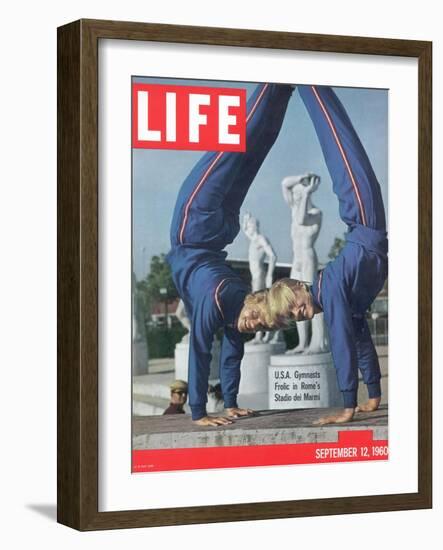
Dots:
pixel 352 446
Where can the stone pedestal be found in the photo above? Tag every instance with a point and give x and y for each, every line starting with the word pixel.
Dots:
pixel 277 343
pixel 303 381
pixel 253 391
pixel 254 368
pixel 182 358
pixel 277 348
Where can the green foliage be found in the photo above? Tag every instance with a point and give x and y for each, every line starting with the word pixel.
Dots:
pixel 160 277
pixel 336 248
pixel 148 290
pixel 162 340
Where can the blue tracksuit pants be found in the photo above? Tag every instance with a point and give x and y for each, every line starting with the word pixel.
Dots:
pixel 346 288
pixel 205 220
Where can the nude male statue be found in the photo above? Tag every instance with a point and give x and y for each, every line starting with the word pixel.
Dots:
pixel 260 250
pixel 305 227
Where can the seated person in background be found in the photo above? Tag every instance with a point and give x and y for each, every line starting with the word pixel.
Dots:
pixel 179 395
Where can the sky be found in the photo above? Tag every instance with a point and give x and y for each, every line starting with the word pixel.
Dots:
pixel 158 175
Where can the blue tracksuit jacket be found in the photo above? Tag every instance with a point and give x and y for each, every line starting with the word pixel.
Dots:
pixel 205 220
pixel 347 286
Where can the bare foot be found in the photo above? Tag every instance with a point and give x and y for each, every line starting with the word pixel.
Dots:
pixel 295 351
pixel 213 421
pixel 258 339
pixel 316 349
pixel 235 412
pixel 371 405
pixel 345 416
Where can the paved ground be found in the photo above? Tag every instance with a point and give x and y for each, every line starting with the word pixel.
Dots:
pixel 161 365
pixel 265 428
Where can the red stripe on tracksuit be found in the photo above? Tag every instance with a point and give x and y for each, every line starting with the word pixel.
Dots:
pixel 342 153
pixel 211 167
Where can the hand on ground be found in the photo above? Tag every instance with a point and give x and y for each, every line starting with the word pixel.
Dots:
pixel 213 421
pixel 345 416
pixel 235 412
pixel 371 405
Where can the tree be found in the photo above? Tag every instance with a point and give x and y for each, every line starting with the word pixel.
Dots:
pixel 161 340
pixel 160 277
pixel 336 248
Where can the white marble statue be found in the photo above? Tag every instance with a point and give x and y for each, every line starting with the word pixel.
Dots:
pixel 181 315
pixel 305 227
pixel 260 251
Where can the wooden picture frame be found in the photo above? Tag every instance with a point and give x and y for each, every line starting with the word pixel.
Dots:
pixel 78 466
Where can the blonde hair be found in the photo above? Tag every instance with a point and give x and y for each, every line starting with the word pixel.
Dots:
pixel 274 305
pixel 281 300
pixel 259 301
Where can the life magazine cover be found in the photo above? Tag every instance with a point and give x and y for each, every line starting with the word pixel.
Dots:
pixel 260 274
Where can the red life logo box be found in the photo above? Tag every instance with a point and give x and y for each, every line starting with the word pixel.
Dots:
pixel 188 118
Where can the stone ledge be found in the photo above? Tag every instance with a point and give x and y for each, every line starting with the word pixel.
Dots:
pixel 265 428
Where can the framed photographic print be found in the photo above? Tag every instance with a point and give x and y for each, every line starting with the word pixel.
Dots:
pixel 232 204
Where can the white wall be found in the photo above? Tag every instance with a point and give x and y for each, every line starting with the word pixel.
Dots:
pixel 28 279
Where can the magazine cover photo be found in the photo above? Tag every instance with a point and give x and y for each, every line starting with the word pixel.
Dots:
pixel 259 274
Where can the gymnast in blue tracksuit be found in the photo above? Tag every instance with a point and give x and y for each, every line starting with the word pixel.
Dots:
pixel 347 286
pixel 205 220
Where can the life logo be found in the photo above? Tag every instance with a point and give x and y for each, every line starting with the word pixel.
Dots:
pixel 188 118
